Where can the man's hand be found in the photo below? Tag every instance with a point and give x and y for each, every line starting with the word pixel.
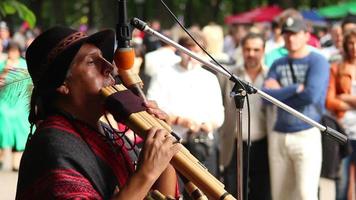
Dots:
pixel 206 127
pixel 300 88
pixel 188 123
pixel 153 109
pixel 157 152
pixel 272 84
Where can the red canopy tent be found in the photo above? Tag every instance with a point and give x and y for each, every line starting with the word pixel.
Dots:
pixel 261 14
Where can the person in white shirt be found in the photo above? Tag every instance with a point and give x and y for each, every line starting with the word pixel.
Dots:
pixel 191 97
pixel 162 57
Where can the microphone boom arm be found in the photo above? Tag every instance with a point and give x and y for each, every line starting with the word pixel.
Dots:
pixel 137 23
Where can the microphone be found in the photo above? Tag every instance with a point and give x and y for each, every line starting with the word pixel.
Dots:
pixel 125 55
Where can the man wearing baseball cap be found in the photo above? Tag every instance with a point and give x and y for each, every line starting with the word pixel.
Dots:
pixel 299 80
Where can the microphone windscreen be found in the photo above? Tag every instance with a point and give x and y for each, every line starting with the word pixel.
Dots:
pixel 124 58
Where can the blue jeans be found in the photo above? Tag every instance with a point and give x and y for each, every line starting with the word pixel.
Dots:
pixel 342 181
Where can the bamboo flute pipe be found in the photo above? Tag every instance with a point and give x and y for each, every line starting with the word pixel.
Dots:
pixel 183 161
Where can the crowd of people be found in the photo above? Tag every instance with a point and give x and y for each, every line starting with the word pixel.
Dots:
pixel 47 96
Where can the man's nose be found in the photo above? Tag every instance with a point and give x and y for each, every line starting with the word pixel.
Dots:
pixel 107 67
pixel 251 53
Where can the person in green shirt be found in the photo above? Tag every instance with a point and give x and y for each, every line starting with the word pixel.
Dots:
pixel 14 104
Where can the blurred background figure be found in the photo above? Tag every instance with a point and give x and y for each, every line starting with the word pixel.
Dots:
pixel 277 38
pixel 254 72
pixel 232 46
pixel 4 34
pixel 215 42
pixel 333 53
pixel 20 36
pixel 163 57
pixel 15 86
pixel 300 80
pixel 151 42
pixel 341 100
pixel 3 54
pixel 191 96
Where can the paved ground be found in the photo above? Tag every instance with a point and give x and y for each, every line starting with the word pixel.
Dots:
pixel 8 180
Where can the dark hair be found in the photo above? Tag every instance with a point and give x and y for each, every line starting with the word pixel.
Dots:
pixel 275 24
pixel 253 35
pixel 349 19
pixel 347 36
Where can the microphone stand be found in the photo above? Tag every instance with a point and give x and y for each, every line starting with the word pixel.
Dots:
pixel 239 95
pixel 249 88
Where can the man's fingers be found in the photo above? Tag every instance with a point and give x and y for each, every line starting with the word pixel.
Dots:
pixel 160 134
pixel 170 139
pixel 151 133
pixel 175 148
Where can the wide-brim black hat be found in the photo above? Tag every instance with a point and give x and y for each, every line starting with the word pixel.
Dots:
pixel 51 53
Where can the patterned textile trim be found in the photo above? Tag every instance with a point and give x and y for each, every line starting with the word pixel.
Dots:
pixel 64 44
pixel 61 184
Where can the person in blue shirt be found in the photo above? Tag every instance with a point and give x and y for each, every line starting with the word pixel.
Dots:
pixel 299 80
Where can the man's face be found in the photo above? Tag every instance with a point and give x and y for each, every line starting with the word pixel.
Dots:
pixel 89 72
pixel 4 33
pixel 336 35
pixel 295 41
pixel 253 51
pixel 351 47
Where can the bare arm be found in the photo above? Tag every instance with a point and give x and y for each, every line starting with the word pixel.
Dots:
pixel 168 176
pixel 349 101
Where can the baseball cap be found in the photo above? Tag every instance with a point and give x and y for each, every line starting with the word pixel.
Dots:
pixel 294 25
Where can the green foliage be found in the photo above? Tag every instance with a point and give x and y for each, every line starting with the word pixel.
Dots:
pixel 17 88
pixel 103 13
pixel 10 7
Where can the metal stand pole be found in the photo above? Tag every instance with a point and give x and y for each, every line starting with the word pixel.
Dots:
pixel 239 96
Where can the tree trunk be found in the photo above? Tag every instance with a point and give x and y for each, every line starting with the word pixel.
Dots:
pixel 58 11
pixel 313 4
pixel 216 10
pixel 288 4
pixel 188 13
pixel 91 12
pixel 235 6
pixel 36 7
pixel 273 2
pixel 109 10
